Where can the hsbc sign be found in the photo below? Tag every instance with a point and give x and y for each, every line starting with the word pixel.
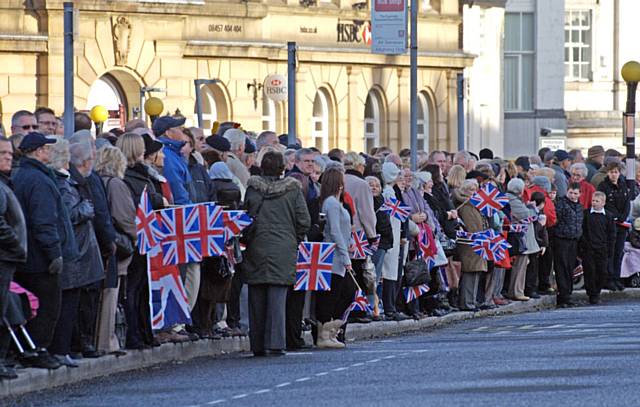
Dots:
pixel 275 87
pixel 354 31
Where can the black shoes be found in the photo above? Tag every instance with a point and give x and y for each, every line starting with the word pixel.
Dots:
pixel 594 299
pixel 42 359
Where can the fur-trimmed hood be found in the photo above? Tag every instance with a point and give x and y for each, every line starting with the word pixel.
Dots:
pixel 272 187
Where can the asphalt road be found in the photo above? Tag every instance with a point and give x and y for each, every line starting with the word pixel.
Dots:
pixel 587 356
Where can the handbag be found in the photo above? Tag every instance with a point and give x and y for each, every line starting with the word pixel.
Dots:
pixel 416 273
pixel 441 257
pixel 124 246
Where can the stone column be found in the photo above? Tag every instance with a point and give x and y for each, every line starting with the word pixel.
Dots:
pixel 399 131
pixel 355 125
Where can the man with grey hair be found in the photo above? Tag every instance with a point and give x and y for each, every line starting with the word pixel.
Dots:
pixel 266 138
pixel 465 159
pixel 289 159
pixel 92 189
pixel 23 122
pixel 237 139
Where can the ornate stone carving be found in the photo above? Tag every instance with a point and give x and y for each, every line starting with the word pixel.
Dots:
pixel 121 39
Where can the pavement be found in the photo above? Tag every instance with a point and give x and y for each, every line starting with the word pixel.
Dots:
pixel 207 372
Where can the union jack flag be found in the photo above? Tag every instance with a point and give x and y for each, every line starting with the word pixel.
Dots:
pixel 313 269
pixel 492 247
pixel 488 200
pixel 168 301
pixel 148 229
pixel 360 303
pixel 212 229
pixel 359 245
pixel 413 293
pixel 516 227
pixel 234 223
pixel 183 234
pixel 395 208
pixel 427 248
pixel 624 224
pixel 372 247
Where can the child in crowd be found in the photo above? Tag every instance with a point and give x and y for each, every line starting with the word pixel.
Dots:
pixel 596 246
pixel 542 237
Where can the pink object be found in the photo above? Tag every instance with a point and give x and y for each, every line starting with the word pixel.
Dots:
pixel 33 300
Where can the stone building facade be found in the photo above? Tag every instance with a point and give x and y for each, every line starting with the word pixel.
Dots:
pixel 347 97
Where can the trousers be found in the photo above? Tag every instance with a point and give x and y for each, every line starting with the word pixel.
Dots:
pixel 295 307
pixel 518 275
pixel 46 287
pixel 469 290
pixel 531 280
pixel 594 264
pixel 332 304
pixel 69 307
pixel 267 315
pixel 6 275
pixel 564 259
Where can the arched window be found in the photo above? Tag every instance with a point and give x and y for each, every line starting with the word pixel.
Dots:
pixel 268 114
pixel 107 92
pixel 320 121
pixel 424 121
pixel 214 106
pixel 371 121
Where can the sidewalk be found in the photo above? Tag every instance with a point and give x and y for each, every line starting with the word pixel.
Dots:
pixel 30 380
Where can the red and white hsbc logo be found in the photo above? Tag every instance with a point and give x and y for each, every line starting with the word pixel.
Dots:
pixel 275 87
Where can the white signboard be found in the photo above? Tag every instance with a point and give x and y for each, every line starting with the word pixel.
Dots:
pixel 389 27
pixel 554 143
pixel 275 87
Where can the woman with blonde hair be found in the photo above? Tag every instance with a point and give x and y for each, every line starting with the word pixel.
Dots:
pixel 110 165
pixel 456 176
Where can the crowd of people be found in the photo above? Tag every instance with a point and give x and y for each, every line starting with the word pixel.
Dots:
pixel 67 226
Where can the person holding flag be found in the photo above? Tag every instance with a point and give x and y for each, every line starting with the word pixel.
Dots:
pixel 472 263
pixel 330 305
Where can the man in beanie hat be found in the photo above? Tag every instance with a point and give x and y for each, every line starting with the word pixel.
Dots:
pixel 595 160
pixel 561 164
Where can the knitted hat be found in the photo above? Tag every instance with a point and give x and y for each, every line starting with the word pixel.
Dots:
pixel 390 172
pixel 542 182
pixel 595 151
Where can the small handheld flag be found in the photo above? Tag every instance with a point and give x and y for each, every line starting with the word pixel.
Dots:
pixel 488 200
pixel 412 293
pixel 313 269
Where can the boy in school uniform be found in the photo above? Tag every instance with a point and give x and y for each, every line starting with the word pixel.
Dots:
pixel 597 245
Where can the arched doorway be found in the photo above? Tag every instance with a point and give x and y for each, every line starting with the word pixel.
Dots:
pixel 425 121
pixel 214 106
pixel 374 120
pixel 119 92
pixel 321 120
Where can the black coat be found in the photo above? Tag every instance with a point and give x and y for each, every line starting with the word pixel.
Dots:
pixel 13 230
pixel 570 215
pixel 137 178
pixel 227 193
pixel 383 224
pixel 441 203
pixel 49 231
pixel 618 198
pixel 203 188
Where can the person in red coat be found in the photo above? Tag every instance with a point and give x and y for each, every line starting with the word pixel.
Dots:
pixel 542 184
pixel 579 173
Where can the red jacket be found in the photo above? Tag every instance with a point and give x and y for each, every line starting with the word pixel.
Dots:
pixel 549 207
pixel 586 193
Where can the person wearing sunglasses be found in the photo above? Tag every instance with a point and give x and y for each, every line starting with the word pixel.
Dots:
pixel 23 122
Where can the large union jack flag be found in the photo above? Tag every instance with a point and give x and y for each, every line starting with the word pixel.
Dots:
pixel 313 269
pixel 413 293
pixel 148 229
pixel 360 303
pixel 396 209
pixel 168 300
pixel 359 245
pixel 213 231
pixel 489 200
pixel 183 234
pixel 234 223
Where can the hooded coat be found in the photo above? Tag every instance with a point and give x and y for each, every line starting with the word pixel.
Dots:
pixel 281 221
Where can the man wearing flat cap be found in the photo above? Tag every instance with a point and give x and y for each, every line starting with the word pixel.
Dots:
pixel 595 160
pixel 561 163
pixel 50 239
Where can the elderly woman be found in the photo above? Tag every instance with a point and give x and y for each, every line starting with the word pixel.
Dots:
pixel 393 260
pixel 281 221
pixel 519 212
pixel 86 268
pixel 110 165
pixel 579 173
pixel 472 264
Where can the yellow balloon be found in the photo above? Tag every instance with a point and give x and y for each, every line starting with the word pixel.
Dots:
pixel 631 71
pixel 99 114
pixel 153 106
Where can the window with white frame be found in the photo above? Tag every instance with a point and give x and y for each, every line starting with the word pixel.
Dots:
pixel 320 121
pixel 371 122
pixel 423 122
pixel 577 45
pixel 268 114
pixel 209 109
pixel 519 62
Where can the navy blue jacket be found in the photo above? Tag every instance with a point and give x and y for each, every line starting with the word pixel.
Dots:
pixel 49 230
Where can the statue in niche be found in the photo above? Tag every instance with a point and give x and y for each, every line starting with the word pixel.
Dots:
pixel 121 39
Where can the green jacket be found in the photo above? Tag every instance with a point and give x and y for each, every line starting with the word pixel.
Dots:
pixel 282 221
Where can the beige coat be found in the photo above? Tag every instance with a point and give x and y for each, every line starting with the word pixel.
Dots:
pixel 365 217
pixel 474 222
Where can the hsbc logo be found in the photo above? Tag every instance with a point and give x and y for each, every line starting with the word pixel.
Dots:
pixel 356 31
pixel 276 82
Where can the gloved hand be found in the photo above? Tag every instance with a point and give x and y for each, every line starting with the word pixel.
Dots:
pixel 55 267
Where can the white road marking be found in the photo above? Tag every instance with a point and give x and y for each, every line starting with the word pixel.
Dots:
pixel 262 391
pixel 389 357
pixel 339 369
pixel 211 403
pixel 283 384
pixel 524 327
pixel 303 379
pixel 373 361
pixel 357 364
pixel 479 329
pixel 240 396
pixel 322 374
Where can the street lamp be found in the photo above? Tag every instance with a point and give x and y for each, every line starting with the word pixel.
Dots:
pixel 153 107
pixel 99 114
pixel 631 74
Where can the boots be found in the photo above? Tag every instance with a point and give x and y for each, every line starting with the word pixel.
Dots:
pixel 453 298
pixel 327 333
